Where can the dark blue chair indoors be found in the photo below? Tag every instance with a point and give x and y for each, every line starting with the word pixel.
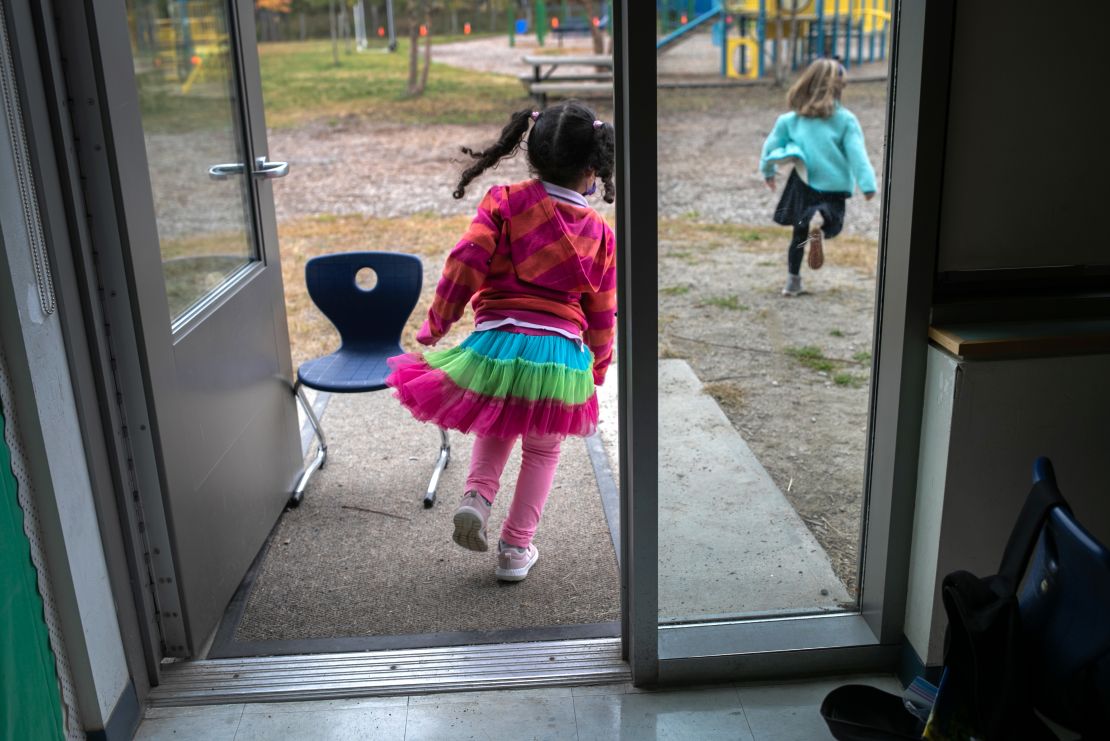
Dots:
pixel 1065 617
pixel 369 324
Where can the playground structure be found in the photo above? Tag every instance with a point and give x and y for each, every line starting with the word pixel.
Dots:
pixel 854 31
pixel 560 19
pixel 388 30
pixel 180 50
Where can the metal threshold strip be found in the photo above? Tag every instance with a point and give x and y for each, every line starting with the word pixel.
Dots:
pixel 403 672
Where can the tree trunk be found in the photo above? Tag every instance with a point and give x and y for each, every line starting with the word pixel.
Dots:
pixel 334 35
pixel 427 48
pixel 780 46
pixel 414 47
pixel 304 28
pixel 595 31
pixel 793 36
pixel 345 27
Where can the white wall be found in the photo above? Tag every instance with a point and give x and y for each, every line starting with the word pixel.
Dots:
pixel 985 423
pixel 936 426
pixel 1023 162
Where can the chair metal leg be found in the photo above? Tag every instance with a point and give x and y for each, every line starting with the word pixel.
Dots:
pixel 444 459
pixel 321 447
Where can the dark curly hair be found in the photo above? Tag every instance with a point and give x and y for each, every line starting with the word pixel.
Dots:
pixel 563 145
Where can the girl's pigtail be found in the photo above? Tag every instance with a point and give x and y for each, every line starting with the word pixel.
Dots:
pixel 609 193
pixel 604 154
pixel 505 146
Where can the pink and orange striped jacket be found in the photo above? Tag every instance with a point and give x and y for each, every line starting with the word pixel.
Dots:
pixel 524 254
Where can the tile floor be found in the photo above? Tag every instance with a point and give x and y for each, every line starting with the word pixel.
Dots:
pixel 768 712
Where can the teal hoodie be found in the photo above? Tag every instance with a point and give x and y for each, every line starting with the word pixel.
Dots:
pixel 831 149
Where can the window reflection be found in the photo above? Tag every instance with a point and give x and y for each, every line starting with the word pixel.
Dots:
pixel 190 121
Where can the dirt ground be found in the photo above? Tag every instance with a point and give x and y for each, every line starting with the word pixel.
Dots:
pixel 792 374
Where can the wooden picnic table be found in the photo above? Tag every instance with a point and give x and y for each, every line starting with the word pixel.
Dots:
pixel 554 61
pixel 546 77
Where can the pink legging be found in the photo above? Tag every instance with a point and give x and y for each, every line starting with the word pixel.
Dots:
pixel 539 459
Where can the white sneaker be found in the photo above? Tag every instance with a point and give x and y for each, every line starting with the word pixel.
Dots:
pixel 513 562
pixel 470 522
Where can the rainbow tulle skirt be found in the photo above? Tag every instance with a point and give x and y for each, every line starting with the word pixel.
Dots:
pixel 501 384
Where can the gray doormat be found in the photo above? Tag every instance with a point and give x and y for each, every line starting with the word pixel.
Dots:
pixel 361 564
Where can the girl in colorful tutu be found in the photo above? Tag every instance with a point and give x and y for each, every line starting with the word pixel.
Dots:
pixel 540 265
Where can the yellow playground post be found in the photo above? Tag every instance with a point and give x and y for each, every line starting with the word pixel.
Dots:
pixel 184 49
pixel 855 31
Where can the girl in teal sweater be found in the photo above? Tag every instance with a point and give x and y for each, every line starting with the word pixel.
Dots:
pixel 824 142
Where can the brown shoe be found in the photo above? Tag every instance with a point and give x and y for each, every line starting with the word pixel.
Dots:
pixel 816 250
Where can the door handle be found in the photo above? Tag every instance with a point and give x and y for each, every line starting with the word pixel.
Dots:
pixel 263 169
pixel 223 172
pixel 267 170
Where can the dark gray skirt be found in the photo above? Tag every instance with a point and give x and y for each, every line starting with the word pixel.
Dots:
pixel 799 202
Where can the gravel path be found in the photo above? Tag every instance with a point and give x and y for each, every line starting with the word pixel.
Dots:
pixel 709 143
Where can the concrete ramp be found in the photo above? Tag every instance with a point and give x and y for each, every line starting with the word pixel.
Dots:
pixel 730 544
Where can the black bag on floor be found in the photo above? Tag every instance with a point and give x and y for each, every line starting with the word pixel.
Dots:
pixel 986 692
pixel 858 712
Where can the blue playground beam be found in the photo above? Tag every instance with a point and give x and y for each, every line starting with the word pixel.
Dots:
pixel 681 31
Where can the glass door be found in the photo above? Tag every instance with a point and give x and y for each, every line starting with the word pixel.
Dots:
pixel 183 109
pixel 765 425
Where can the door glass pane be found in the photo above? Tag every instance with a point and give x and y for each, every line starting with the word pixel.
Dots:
pixel 191 123
pixel 764 381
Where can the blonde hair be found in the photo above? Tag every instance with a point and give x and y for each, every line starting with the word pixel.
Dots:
pixel 817 91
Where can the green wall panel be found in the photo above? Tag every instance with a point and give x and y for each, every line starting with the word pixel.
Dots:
pixel 30 702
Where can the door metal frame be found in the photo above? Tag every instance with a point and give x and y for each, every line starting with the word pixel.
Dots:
pixel 101 30
pixel 393 672
pixel 916 128
pixel 52 199
pixel 87 210
pixel 870 639
pixel 634 75
pixel 682 653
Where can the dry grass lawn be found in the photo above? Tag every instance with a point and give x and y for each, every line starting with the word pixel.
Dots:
pixel 430 237
pixel 692 237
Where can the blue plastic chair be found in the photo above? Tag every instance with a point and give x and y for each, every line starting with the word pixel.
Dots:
pixel 369 323
pixel 1065 614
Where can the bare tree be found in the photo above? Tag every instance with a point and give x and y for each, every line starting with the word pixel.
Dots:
pixel 334 35
pixel 345 27
pixel 793 35
pixel 414 44
pixel 596 33
pixel 780 46
pixel 786 42
pixel 418 79
pixel 427 46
